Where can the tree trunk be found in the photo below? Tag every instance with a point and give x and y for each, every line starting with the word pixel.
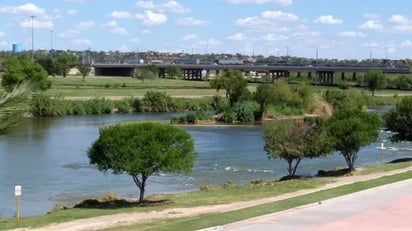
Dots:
pixel 141 184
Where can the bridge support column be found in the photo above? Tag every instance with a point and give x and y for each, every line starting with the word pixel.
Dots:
pixel 342 76
pixel 310 75
pixel 354 76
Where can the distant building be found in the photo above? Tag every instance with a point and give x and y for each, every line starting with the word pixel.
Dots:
pixel 16 48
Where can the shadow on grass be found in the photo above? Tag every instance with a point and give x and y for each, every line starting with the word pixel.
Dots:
pixel 119 204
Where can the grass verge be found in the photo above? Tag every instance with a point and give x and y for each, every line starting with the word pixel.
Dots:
pixel 210 220
pixel 212 195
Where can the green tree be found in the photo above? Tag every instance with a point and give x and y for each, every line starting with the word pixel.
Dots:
pixel 65 62
pixel 233 82
pixel 399 120
pixel 295 140
pixel 375 80
pixel 84 70
pixel 264 95
pixel 173 72
pixel 14 104
pixel 351 129
pixel 146 72
pixel 17 70
pixel 48 64
pixel 141 150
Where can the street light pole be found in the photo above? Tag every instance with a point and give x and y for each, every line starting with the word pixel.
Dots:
pixel 32 38
pixel 51 43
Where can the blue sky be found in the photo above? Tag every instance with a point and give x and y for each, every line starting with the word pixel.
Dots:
pixel 333 29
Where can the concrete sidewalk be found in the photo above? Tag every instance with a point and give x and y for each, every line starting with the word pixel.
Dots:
pixel 387 207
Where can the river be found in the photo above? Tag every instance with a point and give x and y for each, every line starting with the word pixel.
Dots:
pixel 47 157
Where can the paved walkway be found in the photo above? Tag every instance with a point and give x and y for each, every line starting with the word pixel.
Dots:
pixel 387 207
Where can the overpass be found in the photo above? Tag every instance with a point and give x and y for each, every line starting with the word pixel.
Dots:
pixel 323 74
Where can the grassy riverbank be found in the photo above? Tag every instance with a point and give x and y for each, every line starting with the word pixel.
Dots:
pixel 213 195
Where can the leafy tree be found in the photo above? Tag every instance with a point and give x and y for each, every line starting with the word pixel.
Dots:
pixel 351 129
pixel 146 72
pixel 375 80
pixel 13 104
pixel 173 72
pixel 264 95
pixel 48 64
pixel 17 70
pixel 295 140
pixel 84 70
pixel 141 150
pixel 64 63
pixel 399 120
pixel 233 82
pixel 284 94
pixel 345 99
pixel 154 101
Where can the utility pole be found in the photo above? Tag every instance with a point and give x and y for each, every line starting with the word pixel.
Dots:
pixel 51 43
pixel 32 38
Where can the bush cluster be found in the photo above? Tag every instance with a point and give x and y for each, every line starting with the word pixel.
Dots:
pixel 46 106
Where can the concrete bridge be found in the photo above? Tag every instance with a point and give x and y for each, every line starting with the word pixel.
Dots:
pixel 323 75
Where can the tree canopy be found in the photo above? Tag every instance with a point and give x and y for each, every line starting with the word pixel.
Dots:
pixel 233 82
pixel 141 150
pixel 295 140
pixel 375 80
pixel 64 62
pixel 146 72
pixel 17 70
pixel 399 120
pixel 351 129
pixel 173 72
pixel 84 70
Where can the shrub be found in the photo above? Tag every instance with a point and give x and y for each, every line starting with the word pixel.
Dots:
pixel 156 102
pixel 245 111
pixel 123 106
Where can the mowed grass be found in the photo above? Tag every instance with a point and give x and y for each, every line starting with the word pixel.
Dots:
pixel 217 195
pixel 126 87
pixel 73 86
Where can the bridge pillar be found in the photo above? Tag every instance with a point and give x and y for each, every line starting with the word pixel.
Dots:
pixel 354 76
pixel 310 75
pixel 298 74
pixel 342 76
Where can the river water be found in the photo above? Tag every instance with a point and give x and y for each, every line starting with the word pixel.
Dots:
pixel 47 157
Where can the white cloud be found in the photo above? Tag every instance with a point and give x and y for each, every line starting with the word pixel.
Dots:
pixel 2 34
pixel 373 25
pixel 76 1
pixel 38 24
pixel 71 12
pixel 406 43
pixel 168 6
pixel 120 15
pixel 175 7
pixel 260 2
pixel 402 23
pixel 85 25
pixel 189 21
pixel 112 23
pixel 238 37
pixel 284 2
pixel 279 16
pixel 329 20
pixel 190 37
pixel 150 18
pixel 370 44
pixel 352 34
pixel 27 9
pixel 120 31
pixel 271 37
